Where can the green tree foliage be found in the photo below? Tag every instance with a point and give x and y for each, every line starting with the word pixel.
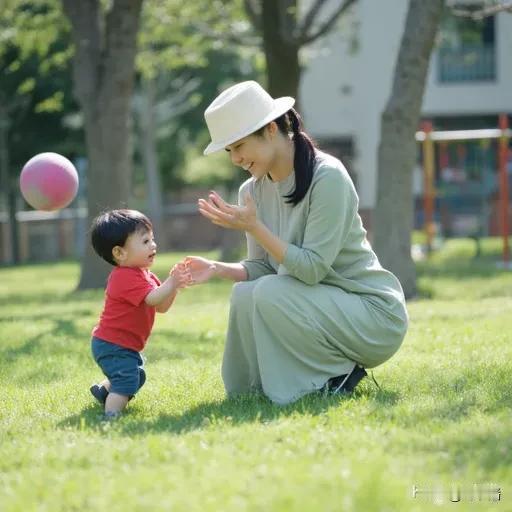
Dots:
pixel 35 84
pixel 35 90
pixel 190 63
pixel 35 96
pixel 186 133
pixel 206 45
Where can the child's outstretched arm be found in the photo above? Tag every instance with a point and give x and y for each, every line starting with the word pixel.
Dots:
pixel 163 296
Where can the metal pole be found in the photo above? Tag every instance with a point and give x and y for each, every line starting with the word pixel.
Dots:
pixel 504 195
pixel 428 193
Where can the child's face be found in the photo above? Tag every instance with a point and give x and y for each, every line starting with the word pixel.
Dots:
pixel 139 250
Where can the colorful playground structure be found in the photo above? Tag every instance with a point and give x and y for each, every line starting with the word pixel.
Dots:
pixel 466 181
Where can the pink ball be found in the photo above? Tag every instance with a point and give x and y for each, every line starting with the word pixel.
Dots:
pixel 49 181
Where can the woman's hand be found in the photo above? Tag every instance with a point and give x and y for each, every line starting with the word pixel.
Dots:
pixel 200 269
pixel 242 218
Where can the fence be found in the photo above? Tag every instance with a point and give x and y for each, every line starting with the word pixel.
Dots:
pixel 48 236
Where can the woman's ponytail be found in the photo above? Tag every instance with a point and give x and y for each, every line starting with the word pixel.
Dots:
pixel 304 160
pixel 290 123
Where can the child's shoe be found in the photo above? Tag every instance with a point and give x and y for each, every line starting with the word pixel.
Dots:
pixel 99 392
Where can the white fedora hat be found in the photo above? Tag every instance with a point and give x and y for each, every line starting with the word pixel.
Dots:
pixel 241 110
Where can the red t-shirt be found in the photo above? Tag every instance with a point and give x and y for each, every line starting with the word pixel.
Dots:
pixel 126 319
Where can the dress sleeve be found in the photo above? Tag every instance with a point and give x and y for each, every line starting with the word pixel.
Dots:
pixel 333 208
pixel 256 264
pixel 131 286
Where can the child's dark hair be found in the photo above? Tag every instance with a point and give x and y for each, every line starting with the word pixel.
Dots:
pixel 304 160
pixel 113 227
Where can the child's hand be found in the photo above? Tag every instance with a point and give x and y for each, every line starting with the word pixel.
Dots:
pixel 181 275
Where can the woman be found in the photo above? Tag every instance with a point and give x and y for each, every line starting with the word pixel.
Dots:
pixel 312 306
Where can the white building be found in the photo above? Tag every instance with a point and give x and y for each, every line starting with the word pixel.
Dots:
pixel 345 90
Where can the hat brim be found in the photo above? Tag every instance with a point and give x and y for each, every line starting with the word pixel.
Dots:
pixel 281 106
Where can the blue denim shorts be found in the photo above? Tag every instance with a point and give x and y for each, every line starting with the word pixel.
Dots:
pixel 122 367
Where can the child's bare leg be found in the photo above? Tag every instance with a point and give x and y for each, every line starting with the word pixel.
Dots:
pixel 115 403
pixel 106 384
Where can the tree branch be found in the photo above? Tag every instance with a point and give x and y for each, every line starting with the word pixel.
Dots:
pixel 253 14
pixel 310 18
pixel 216 29
pixel 226 37
pixel 328 25
pixel 484 12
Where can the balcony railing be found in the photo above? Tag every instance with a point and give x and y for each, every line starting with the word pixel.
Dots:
pixel 467 64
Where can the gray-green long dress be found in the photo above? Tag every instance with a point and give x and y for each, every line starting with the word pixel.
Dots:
pixel 326 307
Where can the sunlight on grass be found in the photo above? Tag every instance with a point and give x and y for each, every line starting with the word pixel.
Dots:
pixel 442 413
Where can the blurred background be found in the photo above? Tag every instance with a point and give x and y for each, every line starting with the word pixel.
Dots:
pixel 120 87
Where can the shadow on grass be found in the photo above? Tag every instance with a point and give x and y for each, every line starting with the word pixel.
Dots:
pixel 460 268
pixel 484 448
pixel 248 408
pixel 51 297
pixel 254 408
pixel 30 347
pixel 33 317
pixel 457 261
pixel 206 293
pixel 489 451
pixel 442 398
pixel 170 344
pixel 48 341
pixel 458 264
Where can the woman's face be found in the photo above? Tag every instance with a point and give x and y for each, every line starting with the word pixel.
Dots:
pixel 254 153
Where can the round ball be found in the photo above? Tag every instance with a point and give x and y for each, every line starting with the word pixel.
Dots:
pixel 49 181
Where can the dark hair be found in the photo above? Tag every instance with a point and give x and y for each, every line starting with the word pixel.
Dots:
pixel 304 159
pixel 113 228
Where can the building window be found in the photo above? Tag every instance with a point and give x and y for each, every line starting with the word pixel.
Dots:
pixel 467 50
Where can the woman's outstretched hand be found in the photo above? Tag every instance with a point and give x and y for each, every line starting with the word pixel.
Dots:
pixel 229 216
pixel 200 269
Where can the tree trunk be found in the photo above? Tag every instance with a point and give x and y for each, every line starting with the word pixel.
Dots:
pixel 14 235
pixel 393 219
pixel 282 53
pixel 5 182
pixel 8 188
pixel 105 48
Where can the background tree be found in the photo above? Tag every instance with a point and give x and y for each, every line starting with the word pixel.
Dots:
pixel 480 10
pixel 104 67
pixel 180 72
pixel 160 53
pixel 285 32
pixel 35 95
pixel 188 67
pixel 393 218
pixel 281 27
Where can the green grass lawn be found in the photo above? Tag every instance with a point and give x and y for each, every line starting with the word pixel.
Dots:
pixel 442 416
